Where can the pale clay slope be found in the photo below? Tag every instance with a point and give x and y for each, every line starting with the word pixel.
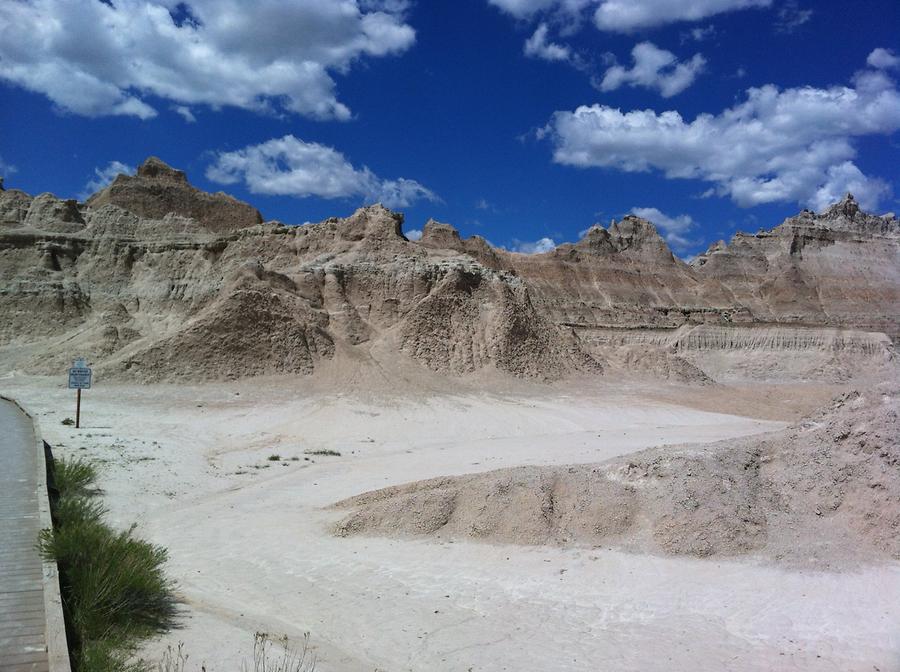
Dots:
pixel 254 550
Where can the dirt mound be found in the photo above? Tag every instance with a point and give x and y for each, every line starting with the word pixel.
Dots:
pixel 652 362
pixel 731 354
pixel 822 492
pixel 258 326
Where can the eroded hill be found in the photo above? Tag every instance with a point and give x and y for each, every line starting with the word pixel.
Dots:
pixel 153 277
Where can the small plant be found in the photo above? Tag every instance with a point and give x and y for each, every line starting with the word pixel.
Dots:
pixel 323 451
pixel 285 660
pixel 114 590
pixel 71 511
pixel 173 660
pixel 68 422
pixel 274 458
pixel 265 657
pixel 74 477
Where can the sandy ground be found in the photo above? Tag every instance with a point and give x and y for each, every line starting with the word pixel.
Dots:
pixel 251 550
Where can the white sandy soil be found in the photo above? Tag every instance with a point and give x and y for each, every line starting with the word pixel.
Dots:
pixel 251 550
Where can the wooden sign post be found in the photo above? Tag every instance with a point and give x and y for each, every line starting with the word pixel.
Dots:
pixel 79 379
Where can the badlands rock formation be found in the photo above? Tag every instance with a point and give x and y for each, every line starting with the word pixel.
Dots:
pixel 823 492
pixel 153 278
pixel 157 189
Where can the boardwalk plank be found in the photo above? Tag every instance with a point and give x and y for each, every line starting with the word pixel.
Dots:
pixel 22 619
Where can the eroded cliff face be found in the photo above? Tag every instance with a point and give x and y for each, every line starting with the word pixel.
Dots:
pixel 840 268
pixel 623 277
pixel 153 277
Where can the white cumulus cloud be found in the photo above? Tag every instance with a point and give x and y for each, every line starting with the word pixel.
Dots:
pixel 629 15
pixel 414 234
pixel 95 58
pixel 185 113
pixel 654 68
pixel 523 9
pixel 536 247
pixel 104 176
pixel 673 229
pixel 699 34
pixel 791 16
pixel 883 59
pixel 846 178
pixel 777 145
pixel 289 166
pixel 626 16
pixel 537 46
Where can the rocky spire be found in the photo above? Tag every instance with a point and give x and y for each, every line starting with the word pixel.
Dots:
pixel 847 207
pixel 438 234
pixel 156 169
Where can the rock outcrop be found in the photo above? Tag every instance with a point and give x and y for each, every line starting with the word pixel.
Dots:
pixel 158 189
pixel 840 268
pixel 152 275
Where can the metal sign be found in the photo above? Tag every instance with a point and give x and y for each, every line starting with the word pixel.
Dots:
pixel 80 376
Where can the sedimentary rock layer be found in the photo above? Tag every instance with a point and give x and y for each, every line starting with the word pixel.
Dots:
pixel 153 276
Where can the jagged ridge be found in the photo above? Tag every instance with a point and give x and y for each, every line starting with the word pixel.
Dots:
pixel 152 274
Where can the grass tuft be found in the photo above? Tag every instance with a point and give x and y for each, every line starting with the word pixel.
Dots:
pixel 114 589
pixel 74 477
pixel 274 654
pixel 70 512
pixel 270 654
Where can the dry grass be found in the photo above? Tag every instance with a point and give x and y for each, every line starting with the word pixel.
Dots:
pixel 270 654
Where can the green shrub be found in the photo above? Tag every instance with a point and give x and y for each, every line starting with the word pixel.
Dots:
pixel 73 477
pixel 70 511
pixel 114 590
pixel 107 656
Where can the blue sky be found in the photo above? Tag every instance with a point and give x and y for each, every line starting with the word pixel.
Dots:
pixel 524 121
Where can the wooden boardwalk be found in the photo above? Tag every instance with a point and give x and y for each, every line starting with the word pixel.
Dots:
pixel 24 578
